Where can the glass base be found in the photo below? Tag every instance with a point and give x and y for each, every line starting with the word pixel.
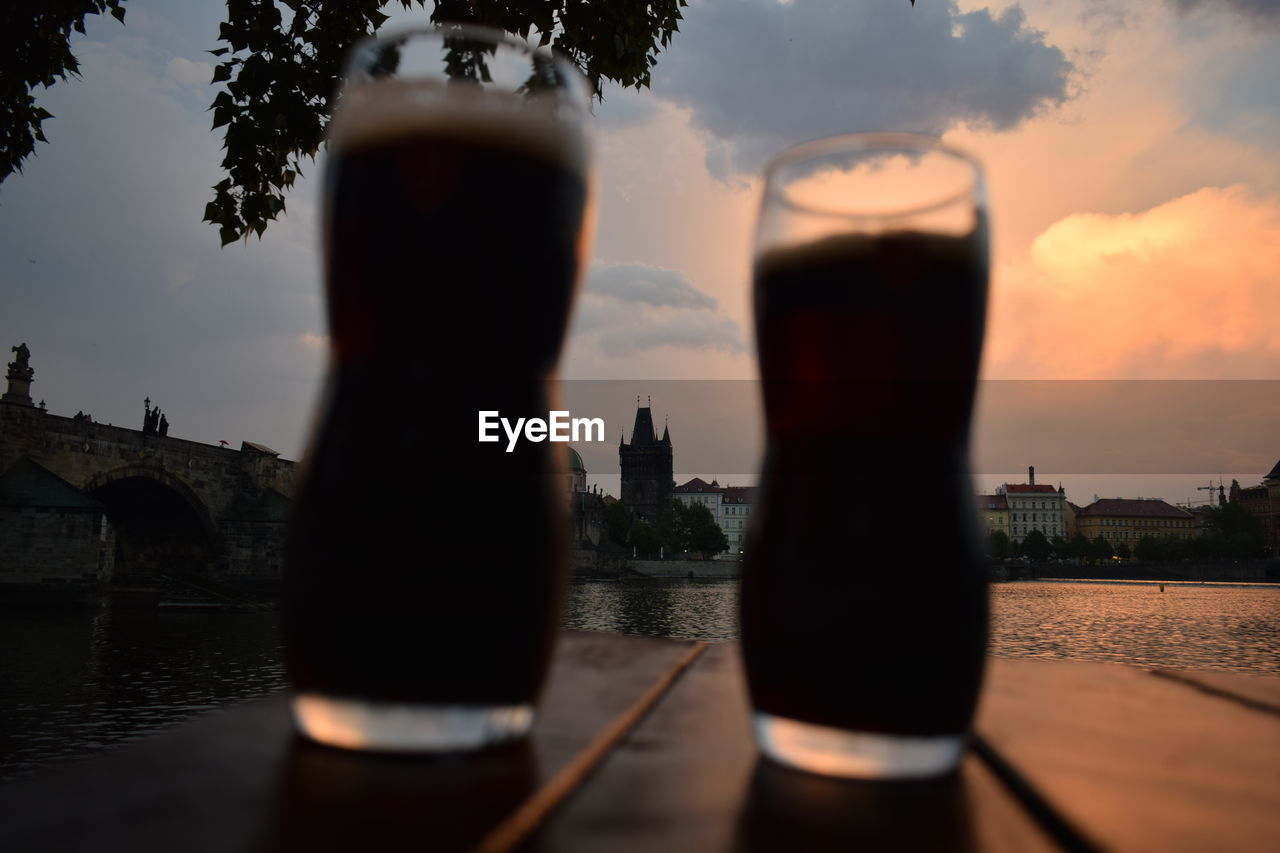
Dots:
pixel 404 727
pixel 856 755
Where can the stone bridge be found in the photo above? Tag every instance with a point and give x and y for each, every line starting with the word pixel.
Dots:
pixel 84 502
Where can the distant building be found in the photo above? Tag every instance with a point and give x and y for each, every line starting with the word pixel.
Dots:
pixel 1263 501
pixel 646 468
pixel 586 506
pixel 993 511
pixel 1071 512
pixel 1034 506
pixel 577 476
pixel 736 511
pixel 730 506
pixel 1200 522
pixel 1128 520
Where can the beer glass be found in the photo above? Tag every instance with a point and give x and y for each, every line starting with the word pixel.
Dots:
pixel 425 570
pixel 864 599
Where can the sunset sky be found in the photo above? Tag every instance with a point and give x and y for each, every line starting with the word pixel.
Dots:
pixel 1132 152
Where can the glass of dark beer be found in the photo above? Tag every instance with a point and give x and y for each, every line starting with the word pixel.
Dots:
pixel 425 570
pixel 864 596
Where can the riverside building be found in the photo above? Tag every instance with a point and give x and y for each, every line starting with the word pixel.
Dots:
pixel 1263 501
pixel 1034 506
pixel 730 506
pixel 993 510
pixel 1128 520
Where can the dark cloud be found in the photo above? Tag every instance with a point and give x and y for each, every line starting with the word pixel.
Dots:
pixel 648 284
pixel 1264 13
pixel 630 308
pixel 759 76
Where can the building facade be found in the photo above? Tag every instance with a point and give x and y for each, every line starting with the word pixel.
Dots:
pixel 736 512
pixel 587 527
pixel 1263 501
pixel 1127 520
pixel 730 506
pixel 993 512
pixel 1034 506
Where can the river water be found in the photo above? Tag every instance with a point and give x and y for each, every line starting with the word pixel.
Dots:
pixel 74 683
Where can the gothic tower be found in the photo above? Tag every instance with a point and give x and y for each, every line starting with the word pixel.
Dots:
pixel 647 478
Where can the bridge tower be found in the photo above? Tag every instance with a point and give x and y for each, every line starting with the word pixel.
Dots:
pixel 647 478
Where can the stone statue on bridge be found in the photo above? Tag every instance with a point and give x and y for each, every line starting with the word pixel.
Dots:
pixel 23 362
pixel 19 376
pixel 153 420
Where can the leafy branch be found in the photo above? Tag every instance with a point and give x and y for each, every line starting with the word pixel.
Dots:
pixel 279 67
pixel 35 50
pixel 281 70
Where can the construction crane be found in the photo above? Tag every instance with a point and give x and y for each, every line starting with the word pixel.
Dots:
pixel 1211 488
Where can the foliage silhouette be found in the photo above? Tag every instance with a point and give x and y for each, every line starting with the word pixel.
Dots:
pixel 279 65
pixel 280 69
pixel 35 50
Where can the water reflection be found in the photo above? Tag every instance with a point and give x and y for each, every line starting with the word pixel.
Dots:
pixel 679 609
pixel 1233 627
pixel 73 683
pixel 1187 626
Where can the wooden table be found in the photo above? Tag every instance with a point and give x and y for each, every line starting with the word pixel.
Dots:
pixel 644 745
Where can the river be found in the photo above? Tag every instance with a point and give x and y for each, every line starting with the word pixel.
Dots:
pixel 74 683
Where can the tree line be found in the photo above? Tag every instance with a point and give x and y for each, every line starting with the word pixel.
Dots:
pixel 686 530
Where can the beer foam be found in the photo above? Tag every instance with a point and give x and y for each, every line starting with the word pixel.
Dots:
pixel 383 111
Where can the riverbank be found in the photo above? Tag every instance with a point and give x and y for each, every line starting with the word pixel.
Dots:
pixel 1247 571
pixel 1253 571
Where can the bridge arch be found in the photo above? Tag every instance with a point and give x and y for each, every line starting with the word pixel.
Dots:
pixel 161 525
pixel 164 478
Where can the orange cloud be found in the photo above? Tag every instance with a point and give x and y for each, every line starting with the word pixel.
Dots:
pixel 314 341
pixel 1187 289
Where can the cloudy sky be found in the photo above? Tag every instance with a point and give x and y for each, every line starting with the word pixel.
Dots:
pixel 1130 146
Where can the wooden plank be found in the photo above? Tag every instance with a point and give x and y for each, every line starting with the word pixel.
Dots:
pixel 239 779
pixel 1137 762
pixel 1258 691
pixel 689 778
pixel 518 825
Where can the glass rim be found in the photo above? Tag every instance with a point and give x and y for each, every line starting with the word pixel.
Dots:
pixel 476 32
pixel 887 141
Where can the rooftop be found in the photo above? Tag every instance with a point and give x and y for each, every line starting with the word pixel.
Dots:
pixel 27 483
pixel 697 484
pixel 1132 508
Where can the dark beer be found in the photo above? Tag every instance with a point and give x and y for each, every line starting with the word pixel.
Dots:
pixel 864 594
pixel 424 567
